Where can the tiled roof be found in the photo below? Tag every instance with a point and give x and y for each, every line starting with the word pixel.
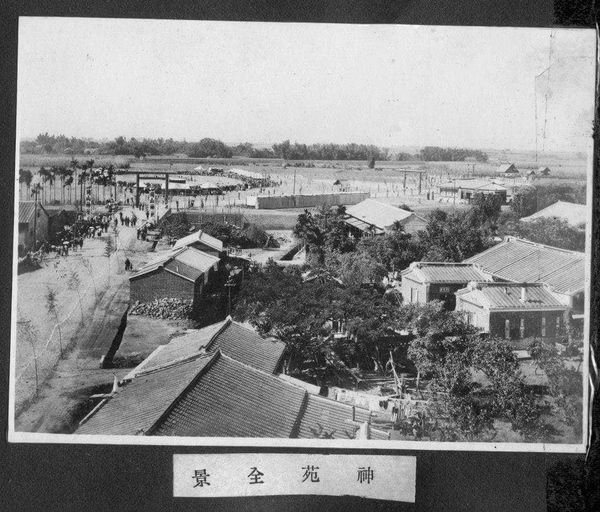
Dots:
pixel 217 396
pixel 27 210
pixel 376 213
pixel 574 214
pixel 200 236
pixel 327 419
pixel 140 403
pixel 523 261
pixel 234 400
pixel 508 296
pixel 247 346
pixel 433 272
pixel 234 340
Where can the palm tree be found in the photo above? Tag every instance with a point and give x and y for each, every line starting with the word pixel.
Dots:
pixel 25 176
pixel 45 176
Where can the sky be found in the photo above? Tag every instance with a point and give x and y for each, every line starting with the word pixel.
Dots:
pixel 392 86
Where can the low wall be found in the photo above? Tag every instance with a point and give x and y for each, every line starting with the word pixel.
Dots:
pixel 305 201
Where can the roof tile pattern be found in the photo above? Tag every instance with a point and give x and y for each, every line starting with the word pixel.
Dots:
pixel 234 400
pixel 247 346
pixel 434 272
pixel 138 405
pixel 523 261
pixel 503 296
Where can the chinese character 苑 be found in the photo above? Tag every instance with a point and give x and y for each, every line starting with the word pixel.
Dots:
pixel 365 475
pixel 311 472
pixel 201 477
pixel 255 476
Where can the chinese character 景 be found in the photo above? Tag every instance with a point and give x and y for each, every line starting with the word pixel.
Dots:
pixel 365 474
pixel 311 472
pixel 201 477
pixel 255 476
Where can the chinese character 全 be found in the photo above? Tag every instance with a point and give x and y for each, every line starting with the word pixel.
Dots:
pixel 255 476
pixel 365 475
pixel 201 477
pixel 311 472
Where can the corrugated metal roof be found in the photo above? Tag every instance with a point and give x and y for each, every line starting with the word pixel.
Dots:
pixel 508 296
pixel 186 262
pixel 523 261
pixel 140 403
pixel 574 214
pixel 378 214
pixel 197 259
pixel 434 272
pixel 472 184
pixel 200 236
pixel 27 210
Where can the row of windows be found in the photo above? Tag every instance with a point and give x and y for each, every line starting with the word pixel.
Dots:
pixel 543 327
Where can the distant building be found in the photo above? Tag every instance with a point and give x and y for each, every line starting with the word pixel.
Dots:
pixel 213 395
pixel 32 217
pixel 182 274
pixel 521 261
pixel 512 310
pixel 543 171
pixel 423 281
pixel 574 214
pixel 507 170
pixel 201 241
pixel 466 189
pixel 59 217
pixel 375 218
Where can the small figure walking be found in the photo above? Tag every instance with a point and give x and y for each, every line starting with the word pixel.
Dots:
pixel 127 264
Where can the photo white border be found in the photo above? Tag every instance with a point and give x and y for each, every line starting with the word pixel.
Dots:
pixel 323 444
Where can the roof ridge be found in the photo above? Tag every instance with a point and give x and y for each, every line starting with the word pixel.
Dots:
pixel 225 324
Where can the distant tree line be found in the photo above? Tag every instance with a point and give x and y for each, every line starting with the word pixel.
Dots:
pixel 214 148
pixel 437 154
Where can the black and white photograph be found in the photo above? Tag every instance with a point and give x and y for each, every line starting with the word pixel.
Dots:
pixel 302 235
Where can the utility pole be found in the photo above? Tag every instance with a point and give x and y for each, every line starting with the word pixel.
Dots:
pixel 294 191
pixel 229 284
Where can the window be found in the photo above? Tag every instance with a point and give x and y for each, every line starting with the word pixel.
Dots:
pixel 558 325
pixel 507 329
pixel 543 327
pixel 444 289
pixel 522 328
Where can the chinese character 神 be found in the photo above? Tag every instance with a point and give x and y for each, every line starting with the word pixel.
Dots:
pixel 365 475
pixel 201 477
pixel 255 476
pixel 311 472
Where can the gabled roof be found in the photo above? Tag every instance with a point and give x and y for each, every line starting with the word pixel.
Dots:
pixel 186 262
pixel 574 214
pixel 543 170
pixel 221 397
pixel 507 169
pixel 247 346
pixel 375 213
pixel 139 404
pixel 233 339
pixel 501 296
pixel 521 261
pixel 27 210
pixel 439 272
pixel 200 236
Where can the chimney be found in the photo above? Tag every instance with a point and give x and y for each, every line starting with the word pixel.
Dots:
pixel 523 294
